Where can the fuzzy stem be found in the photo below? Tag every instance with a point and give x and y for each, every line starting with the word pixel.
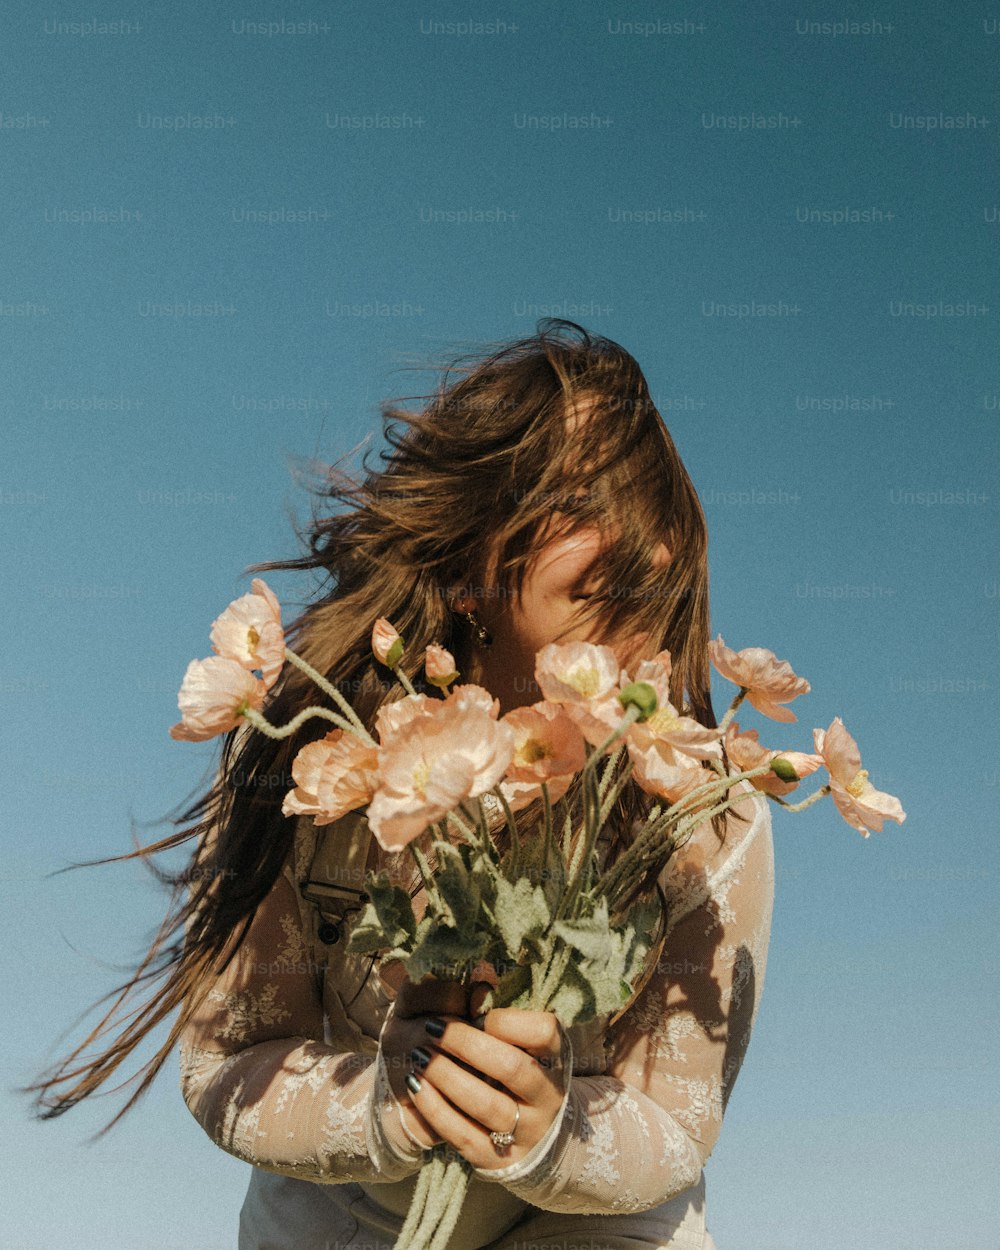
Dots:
pixel 457 1181
pixel 738 698
pixel 404 680
pixel 797 807
pixel 283 731
pixel 418 1204
pixel 334 693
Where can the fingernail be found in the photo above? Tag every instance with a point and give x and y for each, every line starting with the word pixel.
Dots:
pixel 434 1026
pixel 420 1056
pixel 412 1084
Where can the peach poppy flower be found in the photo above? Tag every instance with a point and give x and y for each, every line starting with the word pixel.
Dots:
pixel 249 632
pixel 439 665
pixel 212 698
pixel 470 695
pixel 583 678
pixel 668 773
pixel 548 746
pixel 445 756
pixel 392 717
pixel 746 752
pixel 768 680
pixel 384 640
pixel 683 733
pixel 857 800
pixel 333 777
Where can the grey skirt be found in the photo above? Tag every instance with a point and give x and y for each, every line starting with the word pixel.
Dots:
pixel 283 1213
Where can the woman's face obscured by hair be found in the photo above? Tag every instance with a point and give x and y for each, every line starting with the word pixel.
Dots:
pixel 553 593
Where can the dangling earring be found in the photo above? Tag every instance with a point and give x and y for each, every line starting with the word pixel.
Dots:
pixel 481 636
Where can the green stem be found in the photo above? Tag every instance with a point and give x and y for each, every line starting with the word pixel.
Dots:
pixel 407 685
pixel 738 698
pixel 797 807
pixel 458 1183
pixel 283 731
pixel 635 857
pixel 418 1204
pixel 334 693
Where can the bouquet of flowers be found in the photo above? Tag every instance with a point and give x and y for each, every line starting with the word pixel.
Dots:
pixel 563 935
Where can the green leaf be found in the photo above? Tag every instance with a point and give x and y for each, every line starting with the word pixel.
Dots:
pixel 520 910
pixel 459 892
pixel 573 1000
pixel 443 950
pixel 590 935
pixel 513 987
pixel 386 920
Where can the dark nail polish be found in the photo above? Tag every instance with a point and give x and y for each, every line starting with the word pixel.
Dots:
pixel 412 1084
pixel 421 1057
pixel 434 1026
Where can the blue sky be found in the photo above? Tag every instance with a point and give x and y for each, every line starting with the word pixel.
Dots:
pixel 192 310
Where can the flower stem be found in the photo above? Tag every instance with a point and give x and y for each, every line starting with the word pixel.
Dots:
pixel 357 725
pixel 405 681
pixel 283 731
pixel 797 807
pixel 418 1204
pixel 738 698
pixel 457 1180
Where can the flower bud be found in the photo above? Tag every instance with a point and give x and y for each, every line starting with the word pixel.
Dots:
pixel 784 769
pixel 387 645
pixel 641 695
pixel 439 665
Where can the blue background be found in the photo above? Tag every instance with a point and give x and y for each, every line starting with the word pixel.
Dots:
pixel 844 445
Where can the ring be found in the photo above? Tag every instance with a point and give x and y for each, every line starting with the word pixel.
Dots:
pixel 506 1139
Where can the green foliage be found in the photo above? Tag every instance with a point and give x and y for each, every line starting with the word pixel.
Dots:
pixel 503 910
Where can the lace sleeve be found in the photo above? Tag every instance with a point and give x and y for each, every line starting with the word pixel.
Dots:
pixel 260 1080
pixel 675 1055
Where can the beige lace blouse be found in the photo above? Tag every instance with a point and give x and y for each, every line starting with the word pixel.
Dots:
pixel 281 1065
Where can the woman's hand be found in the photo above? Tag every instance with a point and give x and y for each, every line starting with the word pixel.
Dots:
pixel 416 1002
pixel 501 1071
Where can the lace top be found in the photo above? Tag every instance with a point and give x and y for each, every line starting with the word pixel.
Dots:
pixel 281 1064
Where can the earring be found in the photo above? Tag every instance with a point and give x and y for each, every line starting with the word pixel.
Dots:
pixel 481 636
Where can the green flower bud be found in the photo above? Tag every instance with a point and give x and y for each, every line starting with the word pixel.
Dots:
pixel 641 695
pixel 784 769
pixel 395 653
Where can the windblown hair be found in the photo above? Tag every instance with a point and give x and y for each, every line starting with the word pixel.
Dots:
pixel 490 453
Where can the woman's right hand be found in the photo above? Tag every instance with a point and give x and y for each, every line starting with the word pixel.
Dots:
pixel 415 1003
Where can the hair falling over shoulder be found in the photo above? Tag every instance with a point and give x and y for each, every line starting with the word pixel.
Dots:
pixel 489 452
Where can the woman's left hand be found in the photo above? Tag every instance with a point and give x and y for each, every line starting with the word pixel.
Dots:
pixel 478 1075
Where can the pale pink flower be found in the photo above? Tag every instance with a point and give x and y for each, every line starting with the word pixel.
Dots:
pixel 384 638
pixel 249 632
pixel 683 733
pixel 445 756
pixel 471 695
pixel 333 777
pixel 439 665
pixel 576 672
pixel 392 717
pixel 548 746
pixel 857 800
pixel 659 769
pixel 746 752
pixel 769 681
pixel 212 698
pixel 583 678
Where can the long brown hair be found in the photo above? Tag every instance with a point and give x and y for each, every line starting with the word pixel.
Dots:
pixel 489 453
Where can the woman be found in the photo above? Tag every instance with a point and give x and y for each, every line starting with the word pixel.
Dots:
pixel 538 498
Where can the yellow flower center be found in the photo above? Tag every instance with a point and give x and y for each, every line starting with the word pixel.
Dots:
pixel 531 751
pixel 419 778
pixel 253 637
pixel 584 680
pixel 859 785
pixel 662 721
